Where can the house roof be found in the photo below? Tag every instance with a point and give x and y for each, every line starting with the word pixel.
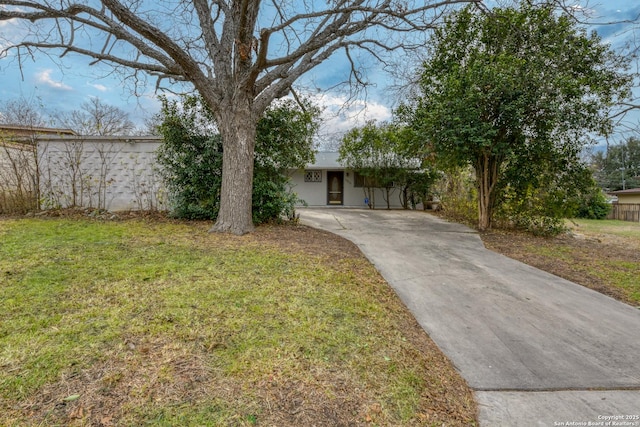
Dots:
pixel 329 160
pixel 326 160
pixel 629 191
pixel 120 139
pixel 28 130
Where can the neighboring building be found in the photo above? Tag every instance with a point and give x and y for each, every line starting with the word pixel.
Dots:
pixel 19 132
pixel 327 183
pixel 627 196
pixel 627 208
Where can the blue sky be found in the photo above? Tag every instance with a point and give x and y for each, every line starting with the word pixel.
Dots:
pixel 66 88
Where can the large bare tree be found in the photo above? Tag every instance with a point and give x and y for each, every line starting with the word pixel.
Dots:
pixel 239 55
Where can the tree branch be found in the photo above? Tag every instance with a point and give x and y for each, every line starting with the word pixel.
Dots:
pixel 219 47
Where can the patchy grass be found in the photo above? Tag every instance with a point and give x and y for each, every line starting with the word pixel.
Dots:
pixel 609 231
pixel 160 323
pixel 603 255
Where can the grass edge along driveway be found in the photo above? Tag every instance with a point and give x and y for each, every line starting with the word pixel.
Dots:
pixel 603 255
pixel 161 323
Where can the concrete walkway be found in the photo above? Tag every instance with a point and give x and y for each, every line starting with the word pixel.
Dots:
pixel 537 350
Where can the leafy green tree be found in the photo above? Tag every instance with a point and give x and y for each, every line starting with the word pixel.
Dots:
pixel 541 205
pixel 284 141
pixel 593 205
pixel 516 93
pixel 368 153
pixel 192 152
pixel 285 135
pixel 619 167
pixel 379 154
pixel 417 186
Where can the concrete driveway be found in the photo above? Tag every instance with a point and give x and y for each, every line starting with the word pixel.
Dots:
pixel 536 349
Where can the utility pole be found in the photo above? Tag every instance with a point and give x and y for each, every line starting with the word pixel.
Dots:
pixel 624 184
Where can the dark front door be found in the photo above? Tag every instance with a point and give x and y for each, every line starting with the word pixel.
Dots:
pixel 335 184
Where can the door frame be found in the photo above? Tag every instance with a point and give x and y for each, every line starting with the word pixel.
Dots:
pixel 340 176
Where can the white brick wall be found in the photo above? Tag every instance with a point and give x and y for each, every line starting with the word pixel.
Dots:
pixel 113 173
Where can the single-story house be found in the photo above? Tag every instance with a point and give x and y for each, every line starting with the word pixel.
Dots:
pixel 120 173
pixel 328 183
pixel 631 195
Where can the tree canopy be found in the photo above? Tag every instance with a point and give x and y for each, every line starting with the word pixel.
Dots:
pixel 381 155
pixel 239 55
pixel 516 93
pixel 192 151
pixel 618 168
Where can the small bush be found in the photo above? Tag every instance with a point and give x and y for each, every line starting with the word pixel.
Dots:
pixel 192 170
pixel 594 206
pixel 540 225
pixel 12 202
pixel 272 200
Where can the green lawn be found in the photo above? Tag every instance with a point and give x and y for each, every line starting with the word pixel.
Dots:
pixel 624 229
pixel 614 267
pixel 161 323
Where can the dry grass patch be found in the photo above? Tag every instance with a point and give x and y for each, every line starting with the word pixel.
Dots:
pixel 127 323
pixel 599 254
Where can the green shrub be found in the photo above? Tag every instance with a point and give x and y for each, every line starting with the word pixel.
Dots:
pixel 594 206
pixel 272 199
pixel 191 164
pixel 191 159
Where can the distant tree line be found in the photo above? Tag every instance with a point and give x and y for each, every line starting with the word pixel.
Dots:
pixel 92 117
pixel 618 168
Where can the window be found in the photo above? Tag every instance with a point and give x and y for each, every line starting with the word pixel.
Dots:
pixel 312 176
pixel 360 181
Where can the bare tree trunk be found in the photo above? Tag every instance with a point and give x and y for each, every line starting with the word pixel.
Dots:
pixel 238 131
pixel 487 177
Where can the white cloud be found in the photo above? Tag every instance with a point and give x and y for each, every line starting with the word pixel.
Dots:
pixel 97 86
pixel 341 115
pixel 7 22
pixel 44 77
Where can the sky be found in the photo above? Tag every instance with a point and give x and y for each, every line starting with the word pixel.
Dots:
pixel 55 89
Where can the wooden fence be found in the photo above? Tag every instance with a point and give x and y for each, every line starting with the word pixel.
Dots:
pixel 625 212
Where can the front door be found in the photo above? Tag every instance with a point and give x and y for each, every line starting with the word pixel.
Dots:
pixel 335 181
